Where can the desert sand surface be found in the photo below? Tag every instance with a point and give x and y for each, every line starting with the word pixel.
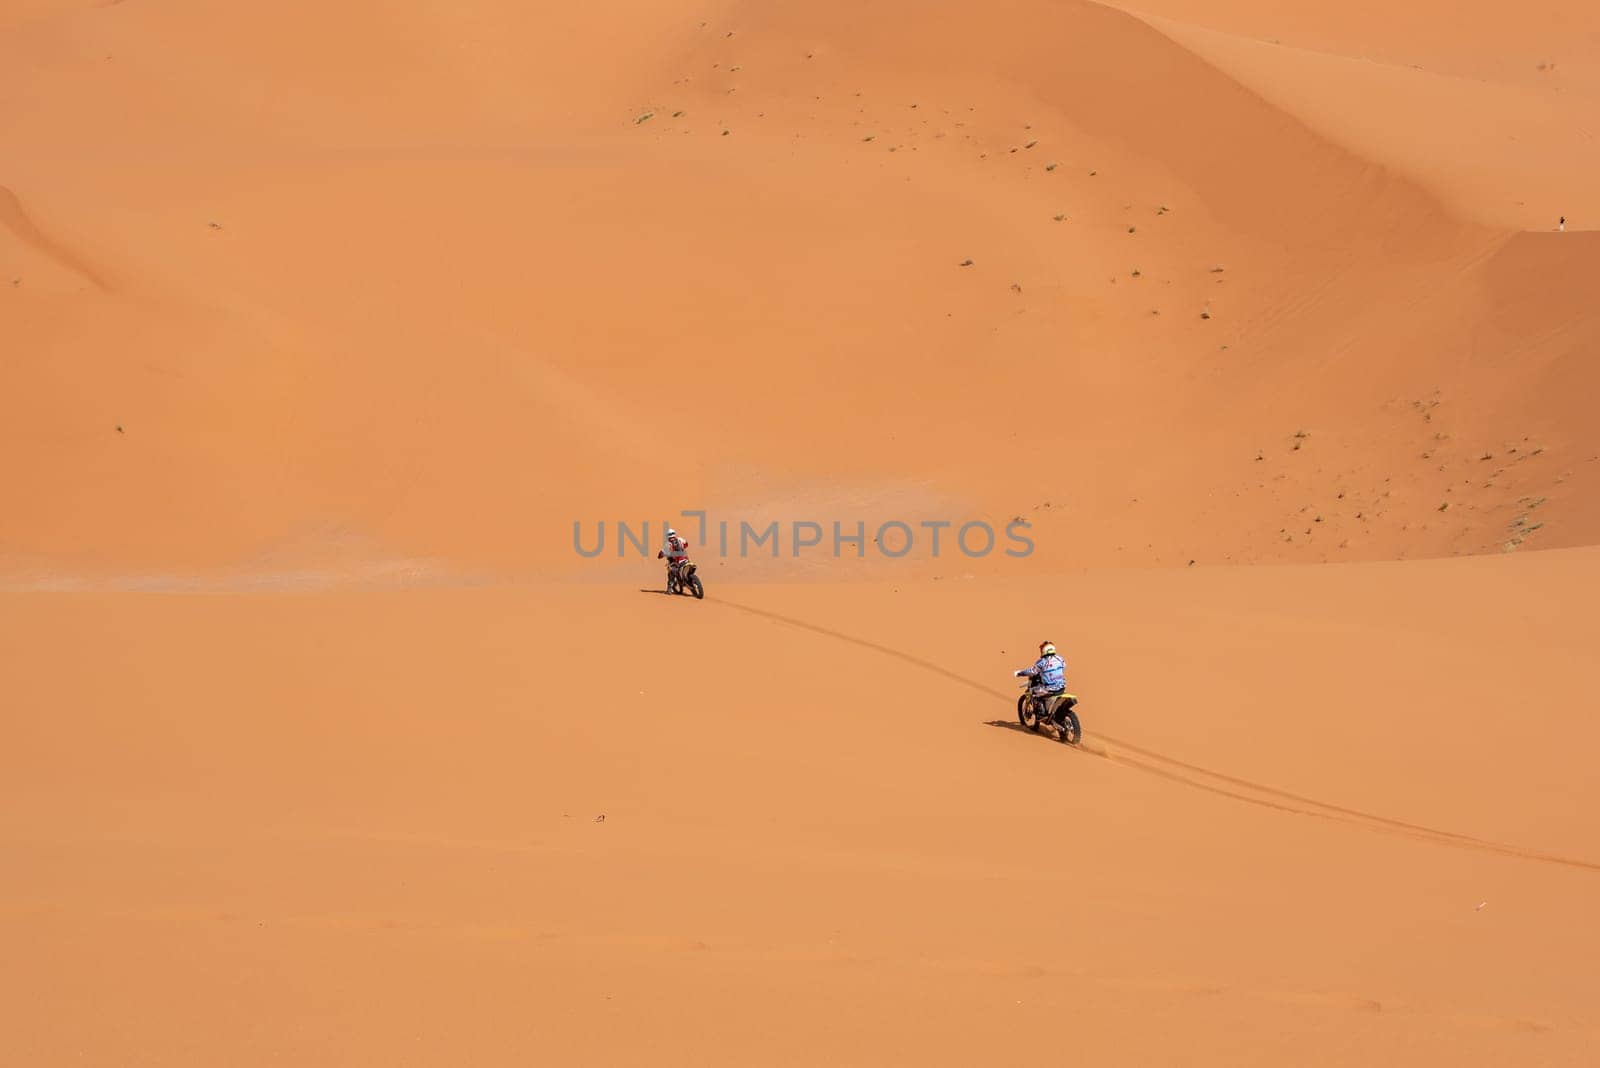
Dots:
pixel 322 325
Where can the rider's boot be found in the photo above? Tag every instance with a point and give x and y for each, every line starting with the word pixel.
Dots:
pixel 1047 716
pixel 1040 717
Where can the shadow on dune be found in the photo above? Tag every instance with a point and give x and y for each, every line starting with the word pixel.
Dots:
pixel 1193 775
pixel 1013 725
pixel 1006 724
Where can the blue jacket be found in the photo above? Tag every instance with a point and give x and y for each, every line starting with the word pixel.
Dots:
pixel 1049 675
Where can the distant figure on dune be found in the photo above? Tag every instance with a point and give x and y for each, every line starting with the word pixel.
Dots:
pixel 675 551
pixel 1561 225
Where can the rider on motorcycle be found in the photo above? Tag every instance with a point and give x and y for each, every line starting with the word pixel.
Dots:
pixel 1049 675
pixel 676 551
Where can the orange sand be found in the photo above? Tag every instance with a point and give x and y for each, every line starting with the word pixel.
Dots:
pixel 322 324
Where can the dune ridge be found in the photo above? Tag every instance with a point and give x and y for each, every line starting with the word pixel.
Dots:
pixel 1337 292
pixel 14 219
pixel 331 331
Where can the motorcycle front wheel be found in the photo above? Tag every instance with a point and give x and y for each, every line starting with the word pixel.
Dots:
pixel 1026 714
pixel 696 588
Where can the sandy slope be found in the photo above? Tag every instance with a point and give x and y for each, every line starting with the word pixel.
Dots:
pixel 334 313
pixel 322 325
pixel 362 828
pixel 1514 148
pixel 1493 113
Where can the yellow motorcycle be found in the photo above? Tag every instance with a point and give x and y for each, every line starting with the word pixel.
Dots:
pixel 1055 711
pixel 682 578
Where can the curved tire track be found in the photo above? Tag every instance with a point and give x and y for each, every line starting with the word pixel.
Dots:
pixel 1202 778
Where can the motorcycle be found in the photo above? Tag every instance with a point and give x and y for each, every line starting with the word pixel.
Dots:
pixel 683 578
pixel 1057 712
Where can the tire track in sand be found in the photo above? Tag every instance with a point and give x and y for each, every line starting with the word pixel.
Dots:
pixel 13 218
pixel 1197 777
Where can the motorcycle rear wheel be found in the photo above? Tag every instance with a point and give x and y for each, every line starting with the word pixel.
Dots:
pixel 1071 729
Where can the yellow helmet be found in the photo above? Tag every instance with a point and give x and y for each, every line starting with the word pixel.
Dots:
pixel 1047 649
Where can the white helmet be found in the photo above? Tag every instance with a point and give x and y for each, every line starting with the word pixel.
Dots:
pixel 671 533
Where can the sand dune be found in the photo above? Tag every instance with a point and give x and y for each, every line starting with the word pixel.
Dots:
pixel 1508 150
pixel 1546 43
pixel 23 231
pixel 424 306
pixel 323 326
pixel 373 823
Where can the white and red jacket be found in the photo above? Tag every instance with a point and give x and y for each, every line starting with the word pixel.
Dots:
pixel 675 551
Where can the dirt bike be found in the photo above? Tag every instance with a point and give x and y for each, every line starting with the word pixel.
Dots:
pixel 683 578
pixel 1058 713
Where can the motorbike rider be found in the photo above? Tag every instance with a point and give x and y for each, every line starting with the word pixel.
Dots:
pixel 675 552
pixel 1049 686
